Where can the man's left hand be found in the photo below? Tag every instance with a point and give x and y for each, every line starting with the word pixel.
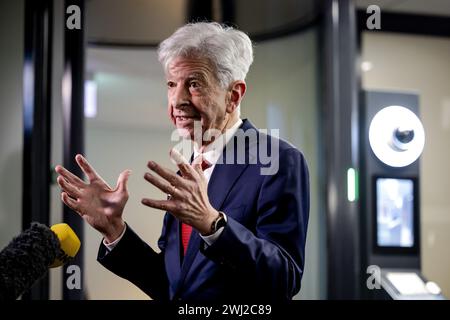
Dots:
pixel 188 195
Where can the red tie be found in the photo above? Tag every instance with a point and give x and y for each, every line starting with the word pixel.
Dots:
pixel 186 229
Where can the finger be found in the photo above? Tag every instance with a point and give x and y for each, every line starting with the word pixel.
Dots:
pixel 182 163
pixel 73 191
pixel 86 167
pixel 167 174
pixel 165 205
pixel 123 180
pixel 71 203
pixel 177 157
pixel 69 176
pixel 198 168
pixel 162 185
pixel 187 171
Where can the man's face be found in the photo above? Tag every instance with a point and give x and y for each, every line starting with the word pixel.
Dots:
pixel 194 94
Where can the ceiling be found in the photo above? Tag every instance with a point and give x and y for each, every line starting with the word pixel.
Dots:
pixel 131 84
pixel 147 22
pixel 133 21
pixel 141 22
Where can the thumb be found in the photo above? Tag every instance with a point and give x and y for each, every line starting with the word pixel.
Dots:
pixel 122 180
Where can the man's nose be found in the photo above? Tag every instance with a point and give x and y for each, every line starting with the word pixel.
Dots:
pixel 181 97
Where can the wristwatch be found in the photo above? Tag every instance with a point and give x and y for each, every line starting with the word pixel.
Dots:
pixel 220 222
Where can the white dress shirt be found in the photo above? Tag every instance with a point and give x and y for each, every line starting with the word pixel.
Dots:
pixel 211 153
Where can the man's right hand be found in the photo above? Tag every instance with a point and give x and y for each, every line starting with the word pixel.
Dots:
pixel 96 202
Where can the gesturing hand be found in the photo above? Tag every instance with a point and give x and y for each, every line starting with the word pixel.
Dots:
pixel 188 195
pixel 96 202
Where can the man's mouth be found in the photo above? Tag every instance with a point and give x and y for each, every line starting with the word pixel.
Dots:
pixel 185 118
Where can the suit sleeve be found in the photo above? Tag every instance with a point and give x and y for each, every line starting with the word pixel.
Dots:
pixel 271 257
pixel 136 261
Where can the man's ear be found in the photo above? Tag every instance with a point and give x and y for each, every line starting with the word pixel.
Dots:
pixel 235 94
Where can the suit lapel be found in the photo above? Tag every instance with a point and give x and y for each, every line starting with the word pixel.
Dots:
pixel 221 182
pixel 223 178
pixel 225 175
pixel 191 252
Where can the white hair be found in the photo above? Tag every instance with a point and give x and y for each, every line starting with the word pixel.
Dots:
pixel 228 50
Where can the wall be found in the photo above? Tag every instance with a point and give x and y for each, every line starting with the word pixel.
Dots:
pixel 422 65
pixel 11 123
pixel 111 152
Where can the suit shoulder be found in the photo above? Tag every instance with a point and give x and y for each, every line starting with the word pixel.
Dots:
pixel 284 146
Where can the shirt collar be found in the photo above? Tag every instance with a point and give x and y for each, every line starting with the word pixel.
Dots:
pixel 214 150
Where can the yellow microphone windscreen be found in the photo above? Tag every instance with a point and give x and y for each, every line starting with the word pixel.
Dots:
pixel 70 243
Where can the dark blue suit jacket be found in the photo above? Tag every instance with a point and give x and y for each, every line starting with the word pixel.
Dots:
pixel 259 255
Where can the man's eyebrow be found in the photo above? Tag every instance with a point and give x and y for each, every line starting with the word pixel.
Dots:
pixel 196 76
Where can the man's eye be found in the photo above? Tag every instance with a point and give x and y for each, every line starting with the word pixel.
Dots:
pixel 194 84
pixel 170 84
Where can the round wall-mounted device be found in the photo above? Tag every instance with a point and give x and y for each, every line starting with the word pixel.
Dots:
pixel 396 136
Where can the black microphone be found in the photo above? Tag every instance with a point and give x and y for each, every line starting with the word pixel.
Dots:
pixel 28 256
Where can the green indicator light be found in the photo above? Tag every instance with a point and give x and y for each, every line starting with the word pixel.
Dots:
pixel 352 185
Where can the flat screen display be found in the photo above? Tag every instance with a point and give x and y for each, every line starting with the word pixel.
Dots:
pixel 395 212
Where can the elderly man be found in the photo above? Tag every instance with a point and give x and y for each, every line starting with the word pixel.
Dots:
pixel 230 232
